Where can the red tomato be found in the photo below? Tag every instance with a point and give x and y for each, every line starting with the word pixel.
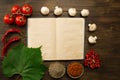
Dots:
pixel 26 10
pixel 9 19
pixel 20 20
pixel 16 9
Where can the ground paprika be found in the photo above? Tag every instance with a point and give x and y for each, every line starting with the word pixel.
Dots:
pixel 75 70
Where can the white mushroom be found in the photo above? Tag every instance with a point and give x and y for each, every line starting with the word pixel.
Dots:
pixel 85 12
pixel 45 10
pixel 72 11
pixel 92 27
pixel 92 40
pixel 58 11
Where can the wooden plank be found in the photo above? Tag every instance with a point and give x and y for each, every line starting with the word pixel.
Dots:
pixel 104 13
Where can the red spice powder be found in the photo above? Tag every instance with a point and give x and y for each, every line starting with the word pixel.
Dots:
pixel 75 69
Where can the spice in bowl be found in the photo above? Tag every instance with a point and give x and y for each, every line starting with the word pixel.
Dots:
pixel 56 70
pixel 75 70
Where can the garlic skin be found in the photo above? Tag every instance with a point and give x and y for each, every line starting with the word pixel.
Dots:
pixel 92 27
pixel 45 10
pixel 58 11
pixel 92 40
pixel 72 11
pixel 85 12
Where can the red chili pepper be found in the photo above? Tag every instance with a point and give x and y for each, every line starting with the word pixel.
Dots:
pixel 4 49
pixel 12 30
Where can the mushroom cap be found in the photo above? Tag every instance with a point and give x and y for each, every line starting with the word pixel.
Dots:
pixel 92 40
pixel 92 27
pixel 45 10
pixel 85 12
pixel 72 11
pixel 58 11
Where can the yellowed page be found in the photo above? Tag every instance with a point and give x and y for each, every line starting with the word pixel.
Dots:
pixel 69 38
pixel 41 31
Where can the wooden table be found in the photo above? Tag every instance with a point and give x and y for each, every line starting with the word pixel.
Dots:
pixel 105 13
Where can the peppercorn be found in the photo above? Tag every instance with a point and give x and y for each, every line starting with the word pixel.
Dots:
pixel 75 70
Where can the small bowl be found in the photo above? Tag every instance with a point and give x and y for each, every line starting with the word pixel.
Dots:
pixel 75 77
pixel 54 68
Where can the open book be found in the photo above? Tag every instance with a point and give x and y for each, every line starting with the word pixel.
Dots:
pixel 61 38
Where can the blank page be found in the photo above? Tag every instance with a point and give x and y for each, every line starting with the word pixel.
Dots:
pixel 41 32
pixel 69 38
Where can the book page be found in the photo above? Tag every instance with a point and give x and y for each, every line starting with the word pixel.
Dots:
pixel 69 38
pixel 41 32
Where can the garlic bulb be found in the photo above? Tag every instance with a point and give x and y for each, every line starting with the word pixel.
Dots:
pixel 45 10
pixel 92 40
pixel 85 12
pixel 92 27
pixel 58 11
pixel 72 11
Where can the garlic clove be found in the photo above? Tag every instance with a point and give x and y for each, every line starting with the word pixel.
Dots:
pixel 72 12
pixel 85 12
pixel 58 11
pixel 92 40
pixel 92 27
pixel 45 10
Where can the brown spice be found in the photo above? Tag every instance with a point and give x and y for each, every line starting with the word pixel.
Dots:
pixel 75 69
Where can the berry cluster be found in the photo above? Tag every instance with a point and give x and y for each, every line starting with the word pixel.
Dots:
pixel 92 59
pixel 18 15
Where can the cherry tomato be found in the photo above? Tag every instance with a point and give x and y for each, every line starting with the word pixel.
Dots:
pixel 20 20
pixel 9 19
pixel 26 10
pixel 16 10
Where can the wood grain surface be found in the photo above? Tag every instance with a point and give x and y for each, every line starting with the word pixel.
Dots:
pixel 105 13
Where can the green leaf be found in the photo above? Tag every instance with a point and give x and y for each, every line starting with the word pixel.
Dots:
pixel 24 61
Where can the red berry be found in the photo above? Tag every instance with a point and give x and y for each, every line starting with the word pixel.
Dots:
pixel 92 59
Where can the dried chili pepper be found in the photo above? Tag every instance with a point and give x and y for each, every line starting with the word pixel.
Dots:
pixel 12 30
pixel 4 49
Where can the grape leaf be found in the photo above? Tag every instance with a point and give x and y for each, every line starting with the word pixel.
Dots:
pixel 24 61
